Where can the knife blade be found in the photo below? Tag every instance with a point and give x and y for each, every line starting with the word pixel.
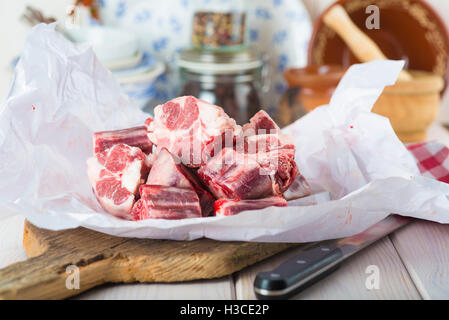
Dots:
pixel 319 260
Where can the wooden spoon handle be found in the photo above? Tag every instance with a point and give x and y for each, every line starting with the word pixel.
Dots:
pixel 360 44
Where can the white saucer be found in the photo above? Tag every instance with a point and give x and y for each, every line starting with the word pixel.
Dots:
pixel 124 63
pixel 148 75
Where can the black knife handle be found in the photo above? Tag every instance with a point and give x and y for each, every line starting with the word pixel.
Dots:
pixel 297 273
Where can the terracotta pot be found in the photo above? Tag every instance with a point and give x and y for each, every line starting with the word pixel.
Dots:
pixel 316 83
pixel 411 106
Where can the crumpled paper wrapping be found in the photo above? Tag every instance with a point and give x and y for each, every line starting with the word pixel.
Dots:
pixel 61 94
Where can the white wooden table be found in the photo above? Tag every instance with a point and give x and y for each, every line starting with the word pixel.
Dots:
pixel 413 264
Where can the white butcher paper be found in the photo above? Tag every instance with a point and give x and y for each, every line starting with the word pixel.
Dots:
pixel 61 94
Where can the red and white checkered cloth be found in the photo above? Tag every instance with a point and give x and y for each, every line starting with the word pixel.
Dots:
pixel 432 158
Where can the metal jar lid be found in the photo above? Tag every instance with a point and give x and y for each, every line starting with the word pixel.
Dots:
pixel 212 62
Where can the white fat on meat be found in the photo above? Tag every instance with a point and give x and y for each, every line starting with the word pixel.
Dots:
pixel 230 207
pixel 134 137
pixel 189 128
pixel 162 202
pixel 115 175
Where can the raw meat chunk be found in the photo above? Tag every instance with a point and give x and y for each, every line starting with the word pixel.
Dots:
pixel 229 207
pixel 115 175
pixel 281 167
pixel 200 149
pixel 160 202
pixel 235 175
pixel 261 143
pixel 261 123
pixel 275 152
pixel 298 189
pixel 190 128
pixel 262 133
pixel 168 171
pixel 134 137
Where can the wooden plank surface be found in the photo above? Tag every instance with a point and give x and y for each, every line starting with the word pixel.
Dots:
pixel 220 289
pixel 101 258
pixel 11 251
pixel 348 282
pixel 414 277
pixel 424 249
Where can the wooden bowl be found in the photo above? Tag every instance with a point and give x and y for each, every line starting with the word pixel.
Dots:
pixel 409 30
pixel 412 106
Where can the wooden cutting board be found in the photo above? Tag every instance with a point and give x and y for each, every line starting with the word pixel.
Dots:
pixel 103 258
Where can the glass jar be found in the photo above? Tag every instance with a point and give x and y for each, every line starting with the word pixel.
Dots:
pixel 219 25
pixel 231 80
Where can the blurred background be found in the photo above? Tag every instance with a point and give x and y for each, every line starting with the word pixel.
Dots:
pixel 281 55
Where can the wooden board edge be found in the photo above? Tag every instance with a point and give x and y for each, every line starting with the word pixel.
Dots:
pixel 32 244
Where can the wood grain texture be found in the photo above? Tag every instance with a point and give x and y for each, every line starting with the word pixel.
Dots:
pixel 316 7
pixel 102 259
pixel 216 289
pixel 424 250
pixel 348 282
pixel 424 247
pixel 11 251
pixel 362 46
